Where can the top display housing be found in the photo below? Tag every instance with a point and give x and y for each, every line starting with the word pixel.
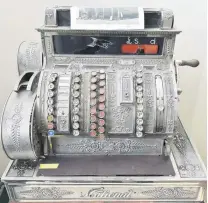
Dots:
pixel 153 18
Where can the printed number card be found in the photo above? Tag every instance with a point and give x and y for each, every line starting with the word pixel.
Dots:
pixel 117 18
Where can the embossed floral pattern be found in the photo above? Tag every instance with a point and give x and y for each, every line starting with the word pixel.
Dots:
pixel 46 193
pixel 13 124
pixel 22 166
pixel 111 146
pixel 185 156
pixel 171 193
pixel 119 115
pixel 149 101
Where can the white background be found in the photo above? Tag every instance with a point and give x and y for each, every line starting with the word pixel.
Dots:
pixel 18 20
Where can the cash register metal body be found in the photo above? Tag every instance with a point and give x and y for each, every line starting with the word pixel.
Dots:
pixel 93 116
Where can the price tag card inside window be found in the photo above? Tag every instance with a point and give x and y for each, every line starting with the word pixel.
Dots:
pixel 115 18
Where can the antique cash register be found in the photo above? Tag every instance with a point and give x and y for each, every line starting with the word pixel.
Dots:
pixel 93 115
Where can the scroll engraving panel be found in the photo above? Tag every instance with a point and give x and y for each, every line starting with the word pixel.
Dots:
pixel 49 48
pixel 120 118
pixel 167 19
pixel 29 57
pixel 170 102
pixel 126 88
pixel 16 123
pixel 112 146
pixel 50 17
pixel 149 102
pixel 106 192
pixel 162 64
pixel 187 161
pixel 160 103
pixel 22 168
pixel 86 101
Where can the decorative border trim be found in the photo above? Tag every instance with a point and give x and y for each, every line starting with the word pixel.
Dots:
pixel 108 146
pixel 124 63
pixel 104 32
pixel 185 156
pixel 106 192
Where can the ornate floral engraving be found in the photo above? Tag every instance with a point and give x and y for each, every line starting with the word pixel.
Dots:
pixel 111 64
pixel 180 143
pixel 167 19
pixel 36 141
pixel 172 193
pixel 185 156
pixel 169 45
pixel 13 126
pixel 109 146
pixel 94 60
pixel 120 117
pixel 43 102
pixel 119 67
pixel 29 57
pixel 63 60
pixel 86 104
pixel 49 17
pixel 170 101
pixel 45 193
pixel 22 168
pixel 48 45
pixel 106 192
pixel 18 113
pixel 167 14
pixel 149 102
pixel 127 62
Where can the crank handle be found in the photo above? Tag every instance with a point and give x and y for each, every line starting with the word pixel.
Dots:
pixel 193 63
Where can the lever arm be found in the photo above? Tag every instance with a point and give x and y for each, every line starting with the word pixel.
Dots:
pixel 193 63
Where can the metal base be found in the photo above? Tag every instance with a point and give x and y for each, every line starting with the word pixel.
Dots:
pixel 109 166
pixel 179 178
